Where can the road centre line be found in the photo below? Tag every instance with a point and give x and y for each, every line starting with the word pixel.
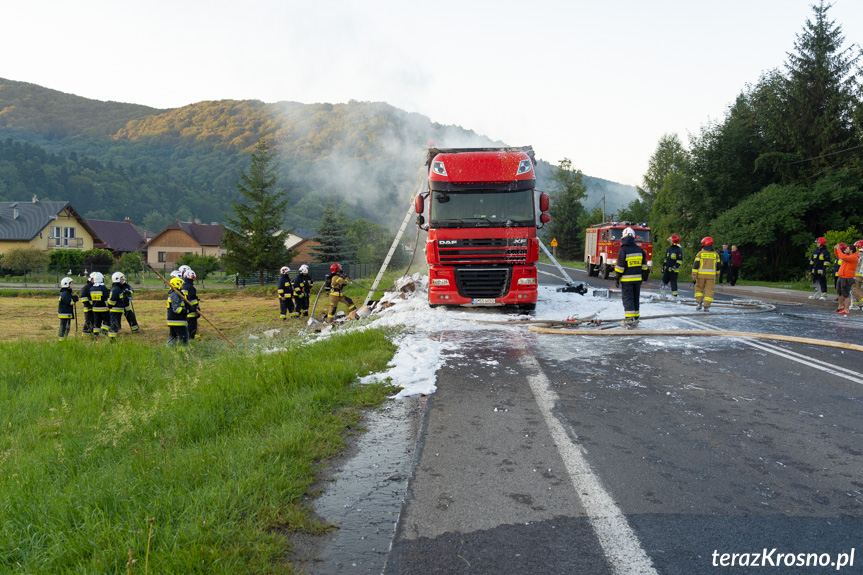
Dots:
pixel 619 542
pixel 830 368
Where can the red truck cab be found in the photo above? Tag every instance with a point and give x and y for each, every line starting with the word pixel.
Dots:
pixel 482 220
pixel 602 243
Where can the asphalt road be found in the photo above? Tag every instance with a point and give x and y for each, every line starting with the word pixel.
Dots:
pixel 548 454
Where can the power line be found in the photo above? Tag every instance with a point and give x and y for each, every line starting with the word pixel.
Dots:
pixel 825 155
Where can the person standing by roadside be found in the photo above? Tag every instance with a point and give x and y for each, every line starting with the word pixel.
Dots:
pixel 117 304
pixel 819 268
pixel 724 262
pixel 302 291
pixel 856 288
pixel 87 306
pixel 630 267
pixel 704 274
pixel 66 307
pixel 736 260
pixel 99 295
pixel 671 266
pixel 286 292
pixel 178 325
pixel 849 259
pixel 191 294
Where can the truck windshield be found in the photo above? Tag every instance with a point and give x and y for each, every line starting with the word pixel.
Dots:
pixel 482 208
pixel 641 236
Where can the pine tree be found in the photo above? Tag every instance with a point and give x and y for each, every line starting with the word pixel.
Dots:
pixel 566 209
pixel 257 241
pixel 336 246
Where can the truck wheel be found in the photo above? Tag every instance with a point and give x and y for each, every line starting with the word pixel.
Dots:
pixel 591 271
pixel 603 271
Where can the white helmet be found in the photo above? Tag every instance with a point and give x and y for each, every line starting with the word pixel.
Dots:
pixel 189 274
pixel 182 269
pixel 177 274
pixel 284 270
pixel 629 232
pixel 118 277
pixel 90 277
pixel 66 282
pixel 98 278
pixel 304 269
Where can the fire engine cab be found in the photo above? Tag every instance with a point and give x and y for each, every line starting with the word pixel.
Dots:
pixel 603 242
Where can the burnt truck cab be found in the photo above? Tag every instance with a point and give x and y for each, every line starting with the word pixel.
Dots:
pixel 602 243
pixel 482 220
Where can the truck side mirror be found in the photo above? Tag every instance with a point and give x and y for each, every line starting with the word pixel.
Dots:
pixel 419 203
pixel 543 202
pixel 544 218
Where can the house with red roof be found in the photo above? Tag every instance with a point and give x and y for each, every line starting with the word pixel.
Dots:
pixel 120 237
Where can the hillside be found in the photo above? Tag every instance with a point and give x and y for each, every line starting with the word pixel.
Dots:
pixel 366 154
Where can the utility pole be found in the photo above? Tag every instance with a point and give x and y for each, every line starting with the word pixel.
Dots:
pixel 603 207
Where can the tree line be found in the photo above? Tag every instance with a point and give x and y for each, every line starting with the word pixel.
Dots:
pixel 782 167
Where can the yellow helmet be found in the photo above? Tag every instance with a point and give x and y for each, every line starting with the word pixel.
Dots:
pixel 177 283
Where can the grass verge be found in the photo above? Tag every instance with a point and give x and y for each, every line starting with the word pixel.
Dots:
pixel 140 458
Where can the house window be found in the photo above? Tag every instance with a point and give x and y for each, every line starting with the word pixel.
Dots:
pixel 69 237
pixel 56 235
pixel 161 256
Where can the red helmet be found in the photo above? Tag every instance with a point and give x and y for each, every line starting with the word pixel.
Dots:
pixel 858 244
pixel 707 241
pixel 821 242
pixel 674 239
pixel 335 268
pixel 842 245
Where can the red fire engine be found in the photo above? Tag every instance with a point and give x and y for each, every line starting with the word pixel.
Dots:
pixel 603 242
pixel 482 246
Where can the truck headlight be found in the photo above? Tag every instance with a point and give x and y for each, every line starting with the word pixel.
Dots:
pixel 524 167
pixel 440 282
pixel 527 281
pixel 438 168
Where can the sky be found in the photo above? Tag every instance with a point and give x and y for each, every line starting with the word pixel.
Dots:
pixel 596 82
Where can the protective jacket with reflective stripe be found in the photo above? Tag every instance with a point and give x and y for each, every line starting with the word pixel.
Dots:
pixel 705 263
pixel 631 261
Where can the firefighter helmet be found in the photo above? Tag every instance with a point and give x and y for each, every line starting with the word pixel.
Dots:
pixel 304 269
pixel 859 244
pixel 707 241
pixel 842 245
pixel 335 268
pixel 629 232
pixel 674 239
pixel 182 269
pixel 98 278
pixel 118 277
pixel 176 283
pixel 190 274
pixel 176 274
pixel 284 270
pixel 821 241
pixel 66 282
pixel 90 277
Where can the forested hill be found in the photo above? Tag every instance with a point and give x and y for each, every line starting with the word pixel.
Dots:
pixel 114 160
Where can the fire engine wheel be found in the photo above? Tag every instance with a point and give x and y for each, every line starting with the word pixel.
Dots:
pixel 603 271
pixel 591 271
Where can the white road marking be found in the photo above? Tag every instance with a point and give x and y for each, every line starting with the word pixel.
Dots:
pixel 622 548
pixel 830 368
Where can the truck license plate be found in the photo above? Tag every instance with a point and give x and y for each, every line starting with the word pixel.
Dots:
pixel 483 300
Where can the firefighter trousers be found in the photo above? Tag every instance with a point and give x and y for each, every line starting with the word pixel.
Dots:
pixel 286 306
pixel 670 278
pixel 88 322
pixel 630 292
pixel 704 288
pixel 335 300
pixel 65 322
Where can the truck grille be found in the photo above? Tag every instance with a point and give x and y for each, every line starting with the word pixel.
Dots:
pixel 482 282
pixel 477 250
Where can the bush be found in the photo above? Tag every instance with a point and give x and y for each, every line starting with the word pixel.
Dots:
pixel 25 260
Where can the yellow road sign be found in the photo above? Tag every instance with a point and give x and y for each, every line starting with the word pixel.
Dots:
pixel 554 242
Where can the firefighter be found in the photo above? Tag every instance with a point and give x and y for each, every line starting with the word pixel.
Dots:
pixel 630 268
pixel 286 293
pixel 819 267
pixel 671 267
pixel 66 307
pixel 194 305
pixel 129 312
pixel 117 304
pixel 849 259
pixel 86 305
pixel 338 283
pixel 302 291
pixel 704 270
pixel 857 289
pixel 178 324
pixel 99 295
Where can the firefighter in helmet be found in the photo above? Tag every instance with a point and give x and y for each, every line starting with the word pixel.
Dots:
pixel 191 293
pixel 87 306
pixel 303 290
pixel 704 270
pixel 819 267
pixel 671 266
pixel 630 268
pixel 117 303
pixel 338 282
pixel 99 295
pixel 66 307
pixel 178 324
pixel 286 292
